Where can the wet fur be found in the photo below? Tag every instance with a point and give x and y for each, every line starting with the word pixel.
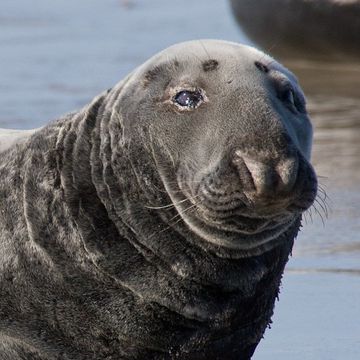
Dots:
pixel 89 272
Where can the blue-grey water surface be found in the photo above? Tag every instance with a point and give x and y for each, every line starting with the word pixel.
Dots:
pixel 56 55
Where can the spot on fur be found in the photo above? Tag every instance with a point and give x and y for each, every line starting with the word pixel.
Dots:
pixel 210 65
pixel 151 75
pixel 262 67
pixel 156 71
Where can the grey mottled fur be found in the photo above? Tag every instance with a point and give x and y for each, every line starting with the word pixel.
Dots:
pixel 93 263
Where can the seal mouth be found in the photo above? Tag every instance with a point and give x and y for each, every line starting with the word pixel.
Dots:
pixel 233 230
pixel 228 222
pixel 242 224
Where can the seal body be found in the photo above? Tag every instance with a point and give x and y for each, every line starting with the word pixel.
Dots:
pixel 12 137
pixel 156 222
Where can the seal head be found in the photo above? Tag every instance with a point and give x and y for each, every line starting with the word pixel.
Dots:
pixel 231 140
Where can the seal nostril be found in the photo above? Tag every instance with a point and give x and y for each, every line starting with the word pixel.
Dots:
pixel 287 171
pixel 244 173
pixel 266 178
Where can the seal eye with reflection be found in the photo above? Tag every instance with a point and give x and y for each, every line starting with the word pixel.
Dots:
pixel 188 99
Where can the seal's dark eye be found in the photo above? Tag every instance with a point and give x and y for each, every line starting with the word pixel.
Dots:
pixel 289 97
pixel 289 94
pixel 188 99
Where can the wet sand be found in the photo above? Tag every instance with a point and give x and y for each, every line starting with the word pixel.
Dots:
pixel 55 57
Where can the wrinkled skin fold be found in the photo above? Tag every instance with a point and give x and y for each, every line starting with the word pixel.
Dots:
pixel 143 228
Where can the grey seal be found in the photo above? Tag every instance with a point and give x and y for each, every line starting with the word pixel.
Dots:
pixel 328 30
pixel 156 222
pixel 9 137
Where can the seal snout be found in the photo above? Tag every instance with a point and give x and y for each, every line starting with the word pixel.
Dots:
pixel 266 178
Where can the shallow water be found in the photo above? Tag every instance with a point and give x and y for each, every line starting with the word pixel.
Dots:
pixel 55 56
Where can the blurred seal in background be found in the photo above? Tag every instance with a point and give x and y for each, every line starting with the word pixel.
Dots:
pixel 322 29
